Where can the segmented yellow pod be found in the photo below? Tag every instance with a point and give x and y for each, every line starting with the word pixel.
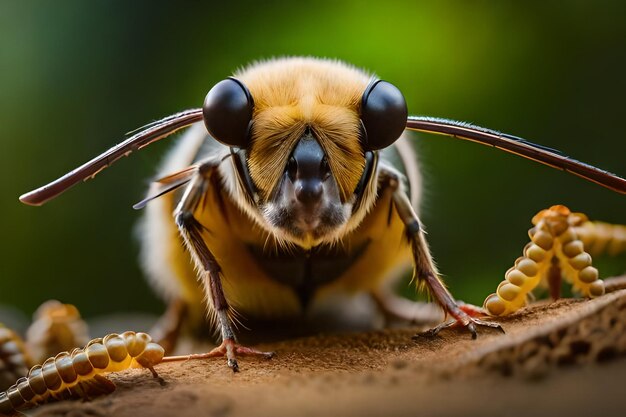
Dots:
pixel 555 252
pixel 79 373
pixel 14 359
pixel 56 327
pixel 600 237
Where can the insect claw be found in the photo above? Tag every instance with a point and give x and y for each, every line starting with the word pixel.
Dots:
pixel 472 328
pixel 246 351
pixel 229 348
pixel 478 322
pixel 491 324
pixel 232 363
pixel 430 333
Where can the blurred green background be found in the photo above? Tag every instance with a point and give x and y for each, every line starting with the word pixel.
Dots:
pixel 76 75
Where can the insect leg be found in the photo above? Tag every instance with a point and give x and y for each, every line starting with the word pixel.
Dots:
pixel 209 269
pixel 425 271
pixel 396 307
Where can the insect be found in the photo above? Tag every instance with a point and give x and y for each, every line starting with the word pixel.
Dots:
pixel 294 184
pixel 559 246
pixel 79 373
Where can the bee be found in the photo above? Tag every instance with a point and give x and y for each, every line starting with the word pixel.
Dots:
pixel 295 183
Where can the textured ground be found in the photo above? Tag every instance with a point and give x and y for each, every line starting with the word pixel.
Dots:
pixel 564 358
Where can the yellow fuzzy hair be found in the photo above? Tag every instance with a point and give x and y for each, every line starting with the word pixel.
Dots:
pixel 291 94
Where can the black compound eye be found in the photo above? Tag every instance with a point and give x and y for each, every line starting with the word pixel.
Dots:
pixel 383 113
pixel 227 112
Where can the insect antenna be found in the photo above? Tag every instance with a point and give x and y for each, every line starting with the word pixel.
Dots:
pixel 170 182
pixel 169 188
pixel 518 146
pixel 183 173
pixel 156 122
pixel 144 137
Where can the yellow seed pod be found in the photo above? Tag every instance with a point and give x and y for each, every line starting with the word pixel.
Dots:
pixel 605 237
pixel 573 248
pixel 508 291
pixel 527 266
pixel 50 375
pixel 535 252
pixel 592 237
pixel 567 235
pixel 98 355
pixel 543 239
pixel 561 243
pixel 94 341
pixel 494 305
pixel 60 377
pixel 24 388
pixel 56 327
pixel 135 342
pixel 596 288
pixel 580 261
pixel 35 380
pixel 63 362
pixel 81 363
pixel 588 274
pixel 116 347
pixel 617 244
pixel 560 228
pixel 14 396
pixel 152 355
pixel 515 277
pixel 585 234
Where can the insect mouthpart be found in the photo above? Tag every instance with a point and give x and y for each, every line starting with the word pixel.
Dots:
pixel 307 205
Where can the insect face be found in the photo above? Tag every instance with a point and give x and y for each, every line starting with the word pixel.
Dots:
pixel 306 205
pixel 305 142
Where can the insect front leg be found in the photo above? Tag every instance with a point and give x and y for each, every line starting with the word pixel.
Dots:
pixel 208 267
pixel 425 271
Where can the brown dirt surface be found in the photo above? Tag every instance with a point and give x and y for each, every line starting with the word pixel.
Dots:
pixel 562 358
